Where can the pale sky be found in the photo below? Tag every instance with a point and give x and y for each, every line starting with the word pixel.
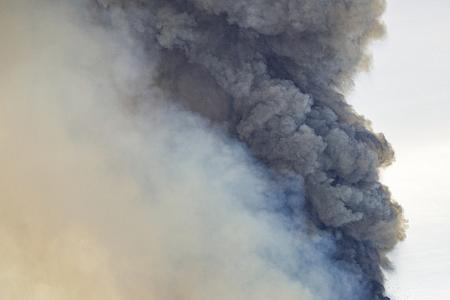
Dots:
pixel 407 96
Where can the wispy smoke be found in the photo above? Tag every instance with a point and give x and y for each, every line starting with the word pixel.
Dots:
pixel 111 188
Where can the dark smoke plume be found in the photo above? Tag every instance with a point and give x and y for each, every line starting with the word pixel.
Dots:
pixel 274 74
pixel 190 149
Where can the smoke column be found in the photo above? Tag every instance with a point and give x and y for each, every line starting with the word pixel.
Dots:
pixel 193 149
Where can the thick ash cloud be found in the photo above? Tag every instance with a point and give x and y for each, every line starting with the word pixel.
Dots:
pixel 274 75
pixel 109 192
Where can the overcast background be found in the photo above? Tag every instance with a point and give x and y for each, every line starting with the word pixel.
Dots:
pixel 407 96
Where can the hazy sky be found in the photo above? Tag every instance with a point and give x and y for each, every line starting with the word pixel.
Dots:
pixel 407 96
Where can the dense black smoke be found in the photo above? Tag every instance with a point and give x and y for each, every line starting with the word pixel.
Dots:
pixel 273 74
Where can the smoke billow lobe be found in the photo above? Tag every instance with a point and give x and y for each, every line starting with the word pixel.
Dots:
pixel 274 74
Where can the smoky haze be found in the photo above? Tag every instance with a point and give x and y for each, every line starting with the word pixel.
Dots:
pixel 189 149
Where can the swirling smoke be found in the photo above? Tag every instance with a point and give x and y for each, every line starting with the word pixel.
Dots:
pixel 194 149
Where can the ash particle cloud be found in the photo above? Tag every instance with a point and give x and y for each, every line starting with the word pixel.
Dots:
pixel 274 74
pixel 194 149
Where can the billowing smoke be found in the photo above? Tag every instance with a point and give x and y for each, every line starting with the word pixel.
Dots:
pixel 273 73
pixel 194 149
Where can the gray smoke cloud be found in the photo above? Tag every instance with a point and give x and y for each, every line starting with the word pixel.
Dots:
pixel 110 192
pixel 164 149
pixel 273 74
